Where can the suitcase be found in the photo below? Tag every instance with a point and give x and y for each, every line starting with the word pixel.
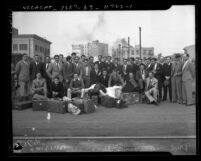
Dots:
pixel 57 106
pixel 40 105
pixel 22 105
pixel 79 103
pixel 131 98
pixel 95 100
pixel 89 106
pixel 108 101
pixel 85 105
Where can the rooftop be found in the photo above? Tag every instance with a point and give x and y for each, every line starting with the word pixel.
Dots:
pixel 31 36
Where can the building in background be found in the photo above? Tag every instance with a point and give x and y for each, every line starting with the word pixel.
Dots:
pixel 125 52
pixel 30 44
pixel 190 50
pixel 93 48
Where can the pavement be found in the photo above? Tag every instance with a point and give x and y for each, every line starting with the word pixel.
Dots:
pixel 166 119
pixel 140 127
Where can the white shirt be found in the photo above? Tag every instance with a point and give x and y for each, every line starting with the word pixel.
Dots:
pixel 87 70
pixel 155 66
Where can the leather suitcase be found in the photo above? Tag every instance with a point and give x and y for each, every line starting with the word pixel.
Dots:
pixel 40 105
pixel 95 99
pixel 22 105
pixel 89 106
pixel 131 98
pixel 79 103
pixel 57 106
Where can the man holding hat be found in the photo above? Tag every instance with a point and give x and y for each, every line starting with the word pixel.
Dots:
pixel 176 79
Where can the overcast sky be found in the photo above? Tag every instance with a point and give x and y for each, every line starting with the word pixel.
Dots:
pixel 167 31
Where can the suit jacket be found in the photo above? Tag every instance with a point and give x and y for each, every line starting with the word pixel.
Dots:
pixel 167 69
pixel 45 67
pixel 34 69
pixel 55 70
pixel 109 67
pixel 68 70
pixel 104 81
pixel 95 77
pixel 78 68
pixel 100 65
pixel 139 75
pixel 177 68
pixel 188 72
pixel 159 72
pixel 149 67
pixel 23 71
pixel 150 85
pixel 135 69
pixel 83 70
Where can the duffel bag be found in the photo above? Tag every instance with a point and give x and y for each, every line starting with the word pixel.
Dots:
pixel 108 101
pixel 57 106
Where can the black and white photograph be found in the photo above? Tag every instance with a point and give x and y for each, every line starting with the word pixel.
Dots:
pixel 104 81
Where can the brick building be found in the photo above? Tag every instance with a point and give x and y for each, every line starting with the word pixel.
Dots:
pixel 30 44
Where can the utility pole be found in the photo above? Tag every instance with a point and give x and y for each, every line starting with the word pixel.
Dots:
pixel 128 47
pixel 140 42
pixel 119 50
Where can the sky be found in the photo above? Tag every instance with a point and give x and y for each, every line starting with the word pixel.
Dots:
pixel 168 31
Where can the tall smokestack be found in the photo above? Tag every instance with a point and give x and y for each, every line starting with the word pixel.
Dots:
pixel 128 47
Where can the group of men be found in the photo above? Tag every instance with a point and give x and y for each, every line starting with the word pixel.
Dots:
pixel 151 77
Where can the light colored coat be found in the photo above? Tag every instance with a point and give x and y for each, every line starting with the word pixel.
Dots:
pixel 154 83
pixel 188 73
pixel 23 71
pixel 54 71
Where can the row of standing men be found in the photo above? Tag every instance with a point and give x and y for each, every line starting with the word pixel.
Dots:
pixel 178 73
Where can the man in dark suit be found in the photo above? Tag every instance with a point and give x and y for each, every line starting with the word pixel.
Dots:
pixel 109 65
pixel 35 67
pixel 45 68
pixel 104 78
pixel 135 68
pixel 158 74
pixel 126 69
pixel 95 75
pixel 167 66
pixel 117 66
pixel 149 65
pixel 100 63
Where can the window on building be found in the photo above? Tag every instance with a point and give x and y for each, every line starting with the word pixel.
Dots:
pixel 132 52
pixel 40 49
pixel 144 52
pixel 23 46
pixel 137 52
pixel 48 51
pixel 15 47
pixel 36 48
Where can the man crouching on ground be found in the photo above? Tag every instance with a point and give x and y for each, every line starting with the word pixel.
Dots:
pixel 151 89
